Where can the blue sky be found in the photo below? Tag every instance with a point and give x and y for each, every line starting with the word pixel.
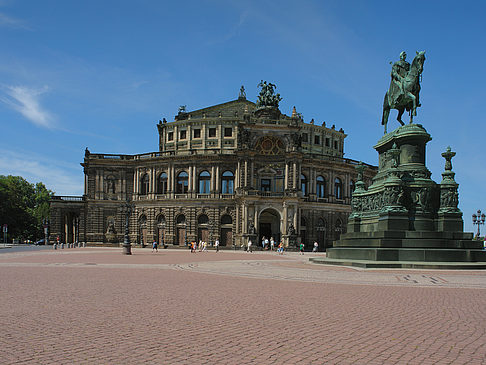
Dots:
pixel 100 74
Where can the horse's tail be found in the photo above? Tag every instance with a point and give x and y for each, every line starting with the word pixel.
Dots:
pixel 385 107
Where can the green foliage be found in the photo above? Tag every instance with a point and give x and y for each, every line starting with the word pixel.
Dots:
pixel 23 206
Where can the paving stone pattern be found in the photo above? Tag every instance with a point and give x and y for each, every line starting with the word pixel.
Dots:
pixel 88 306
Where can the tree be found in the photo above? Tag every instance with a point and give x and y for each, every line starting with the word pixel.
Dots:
pixel 23 206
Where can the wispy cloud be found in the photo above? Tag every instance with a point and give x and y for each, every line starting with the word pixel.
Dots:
pixel 26 101
pixel 235 29
pixel 11 22
pixel 55 175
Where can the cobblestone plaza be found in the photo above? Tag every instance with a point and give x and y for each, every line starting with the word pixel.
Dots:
pixel 97 306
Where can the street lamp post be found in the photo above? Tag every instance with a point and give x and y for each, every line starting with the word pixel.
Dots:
pixel 478 219
pixel 127 247
pixel 45 223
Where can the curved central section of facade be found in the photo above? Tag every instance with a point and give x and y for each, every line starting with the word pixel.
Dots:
pixel 231 172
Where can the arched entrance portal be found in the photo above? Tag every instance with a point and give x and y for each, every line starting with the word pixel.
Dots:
pixel 269 225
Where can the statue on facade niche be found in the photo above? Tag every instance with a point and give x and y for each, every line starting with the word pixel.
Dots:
pixel 251 228
pixel 404 90
pixel 267 96
pixel 291 230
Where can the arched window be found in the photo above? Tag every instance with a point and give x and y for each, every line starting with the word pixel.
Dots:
pixel 338 188
pixel 204 180
pixel 161 220
pixel 182 182
pixel 144 186
pixel 303 185
pixel 227 183
pixel 181 219
pixel 352 186
pixel 226 219
pixel 321 187
pixel 203 219
pixel 162 184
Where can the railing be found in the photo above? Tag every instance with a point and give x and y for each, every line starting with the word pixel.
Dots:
pixel 68 198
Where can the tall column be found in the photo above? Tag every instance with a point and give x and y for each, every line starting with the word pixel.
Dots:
pixel 189 188
pixel 245 218
pixel 286 176
pixel 246 174
pixel 194 178
pixel 294 180
pixel 173 181
pixel 238 220
pixel 284 223
pixel 153 181
pixel 212 181
pixel 257 225
pixel 217 179
pixel 238 176
pixel 252 177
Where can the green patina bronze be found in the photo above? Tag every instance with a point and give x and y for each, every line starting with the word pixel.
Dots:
pixel 404 90
pixel 404 218
pixel 267 96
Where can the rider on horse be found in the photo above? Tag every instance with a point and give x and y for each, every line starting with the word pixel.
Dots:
pixel 398 73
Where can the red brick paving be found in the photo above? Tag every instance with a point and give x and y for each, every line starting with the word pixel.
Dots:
pixel 54 311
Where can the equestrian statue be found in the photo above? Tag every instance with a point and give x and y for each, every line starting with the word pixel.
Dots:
pixel 404 90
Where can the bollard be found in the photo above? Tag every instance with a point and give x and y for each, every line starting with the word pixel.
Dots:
pixel 62 245
pixel 54 246
pixel 84 244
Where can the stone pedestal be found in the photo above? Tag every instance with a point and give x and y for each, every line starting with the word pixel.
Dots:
pixel 405 219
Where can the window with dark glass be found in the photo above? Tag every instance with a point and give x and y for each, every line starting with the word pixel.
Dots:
pixel 227 183
pixel 352 186
pixel 320 187
pixel 162 183
pixel 305 137
pixel 170 136
pixel 335 145
pixel 182 182
pixel 327 142
pixel 317 139
pixel 338 188
pixel 303 185
pixel 197 133
pixel 266 185
pixel 182 134
pixel 144 186
pixel 204 180
pixel 212 132
pixel 228 132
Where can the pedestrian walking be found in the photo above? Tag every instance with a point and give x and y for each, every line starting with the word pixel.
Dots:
pixel 316 246
pixel 205 246
pixel 249 246
pixel 272 243
pixel 265 246
pixel 216 244
pixel 154 246
pixel 263 242
pixel 301 246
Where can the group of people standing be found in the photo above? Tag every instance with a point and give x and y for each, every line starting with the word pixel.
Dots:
pixel 202 246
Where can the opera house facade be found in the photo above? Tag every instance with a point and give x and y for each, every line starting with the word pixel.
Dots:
pixel 234 171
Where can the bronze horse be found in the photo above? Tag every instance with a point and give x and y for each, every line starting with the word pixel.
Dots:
pixel 408 100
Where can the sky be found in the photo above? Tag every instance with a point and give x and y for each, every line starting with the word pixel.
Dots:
pixel 100 74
